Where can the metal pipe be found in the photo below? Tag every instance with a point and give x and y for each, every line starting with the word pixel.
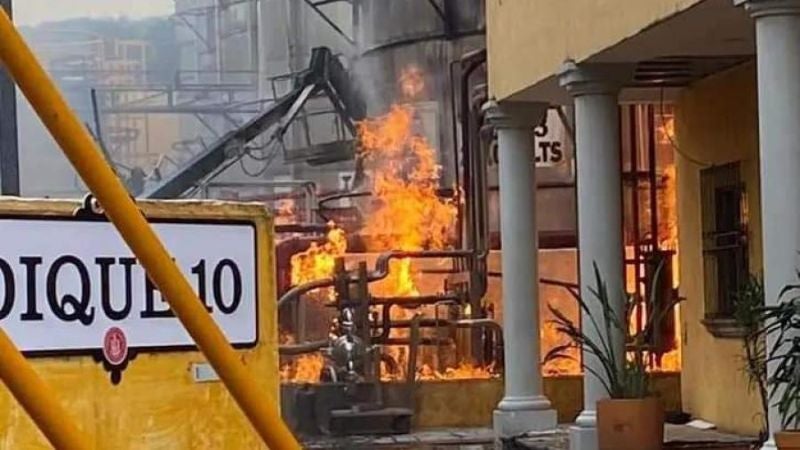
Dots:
pixel 120 208
pixel 9 146
pixel 300 349
pixel 470 63
pixel 415 301
pixel 308 186
pixel 634 170
pixel 302 228
pixel 340 196
pixel 456 172
pixel 652 172
pixel 413 349
pixel 422 341
pixel 380 272
pixel 429 323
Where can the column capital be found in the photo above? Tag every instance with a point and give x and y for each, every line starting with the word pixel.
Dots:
pixel 764 8
pixel 588 79
pixel 510 114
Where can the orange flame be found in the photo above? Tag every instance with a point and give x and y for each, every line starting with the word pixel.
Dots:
pixel 407 213
pixel 285 212
pixel 318 261
pixel 303 369
pixel 462 372
pixel 412 82
pixel 551 338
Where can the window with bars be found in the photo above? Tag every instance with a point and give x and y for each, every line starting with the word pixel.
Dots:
pixel 725 264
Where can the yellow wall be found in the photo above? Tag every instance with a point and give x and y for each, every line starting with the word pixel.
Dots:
pixel 157 405
pixel 717 122
pixel 528 40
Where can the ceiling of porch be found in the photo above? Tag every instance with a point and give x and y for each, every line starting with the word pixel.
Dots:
pixel 712 36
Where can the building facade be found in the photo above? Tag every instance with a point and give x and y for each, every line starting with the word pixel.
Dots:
pixel 727 70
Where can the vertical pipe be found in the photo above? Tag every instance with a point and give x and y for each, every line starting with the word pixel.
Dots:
pixel 637 253
pixel 653 175
pixel 9 150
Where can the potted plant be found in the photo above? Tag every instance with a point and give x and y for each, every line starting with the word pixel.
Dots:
pixel 781 325
pixel 748 303
pixel 632 418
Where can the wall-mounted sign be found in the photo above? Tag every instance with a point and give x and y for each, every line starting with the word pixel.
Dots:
pixel 551 143
pixel 73 286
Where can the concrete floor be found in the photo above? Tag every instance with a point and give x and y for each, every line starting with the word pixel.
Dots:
pixel 676 437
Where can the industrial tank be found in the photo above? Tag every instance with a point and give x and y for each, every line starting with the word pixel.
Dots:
pixel 402 38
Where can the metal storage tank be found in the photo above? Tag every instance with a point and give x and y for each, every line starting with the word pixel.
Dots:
pixel 426 35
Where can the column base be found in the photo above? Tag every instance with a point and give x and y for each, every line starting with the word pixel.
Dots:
pixel 518 422
pixel 582 438
pixel 770 444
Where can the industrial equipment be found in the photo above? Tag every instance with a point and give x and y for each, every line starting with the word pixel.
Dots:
pixel 350 398
pixel 325 76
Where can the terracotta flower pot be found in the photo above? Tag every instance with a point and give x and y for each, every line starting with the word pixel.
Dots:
pixel 788 440
pixel 636 424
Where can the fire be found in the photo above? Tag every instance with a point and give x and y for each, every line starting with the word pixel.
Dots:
pixel 285 212
pixel 551 338
pixel 303 369
pixel 464 371
pixel 407 214
pixel 412 82
pixel 318 261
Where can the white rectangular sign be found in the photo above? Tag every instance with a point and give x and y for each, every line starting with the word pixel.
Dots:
pixel 551 144
pixel 550 141
pixel 65 282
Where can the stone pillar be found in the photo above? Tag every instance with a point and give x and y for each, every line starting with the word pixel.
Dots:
pixel 778 59
pixel 524 407
pixel 597 152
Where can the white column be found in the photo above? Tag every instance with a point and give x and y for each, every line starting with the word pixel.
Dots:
pixel 524 407
pixel 778 55
pixel 597 154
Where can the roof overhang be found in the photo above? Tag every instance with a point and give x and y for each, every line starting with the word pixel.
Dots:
pixel 707 38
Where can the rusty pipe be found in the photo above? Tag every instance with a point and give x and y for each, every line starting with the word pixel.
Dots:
pixel 381 271
pixel 303 348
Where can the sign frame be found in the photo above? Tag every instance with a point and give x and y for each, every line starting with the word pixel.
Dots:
pixel 87 215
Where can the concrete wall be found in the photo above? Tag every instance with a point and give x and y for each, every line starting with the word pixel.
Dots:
pixel 442 404
pixel 717 122
pixel 157 405
pixel 528 40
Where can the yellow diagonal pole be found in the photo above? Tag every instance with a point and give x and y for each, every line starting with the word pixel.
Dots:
pixel 87 159
pixel 36 397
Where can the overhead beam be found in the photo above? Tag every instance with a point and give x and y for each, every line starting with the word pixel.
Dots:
pixel 316 7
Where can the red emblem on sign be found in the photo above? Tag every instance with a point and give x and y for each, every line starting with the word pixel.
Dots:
pixel 115 346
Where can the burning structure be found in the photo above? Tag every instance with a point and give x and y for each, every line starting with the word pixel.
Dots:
pixel 381 170
pixel 429 310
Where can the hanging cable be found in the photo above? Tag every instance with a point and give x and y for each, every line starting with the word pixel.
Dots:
pixel 672 142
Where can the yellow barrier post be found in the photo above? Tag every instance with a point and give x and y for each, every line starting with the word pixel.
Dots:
pixel 38 399
pixel 87 159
